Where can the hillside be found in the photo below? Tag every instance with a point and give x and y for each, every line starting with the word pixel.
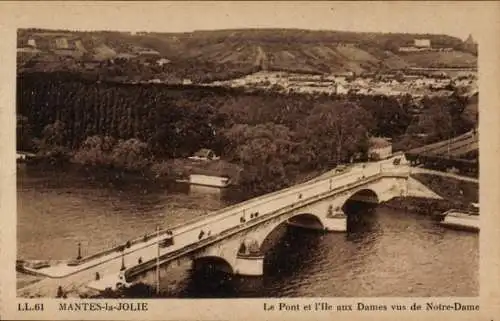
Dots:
pixel 203 53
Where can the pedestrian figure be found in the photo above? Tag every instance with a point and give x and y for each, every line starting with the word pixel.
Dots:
pixel 60 292
pixel 243 248
pixel 97 276
pixel 139 260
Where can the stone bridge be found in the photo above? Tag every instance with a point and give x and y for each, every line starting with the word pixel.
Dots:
pixel 231 239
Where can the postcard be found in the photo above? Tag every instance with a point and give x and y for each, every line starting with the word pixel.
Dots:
pixel 249 160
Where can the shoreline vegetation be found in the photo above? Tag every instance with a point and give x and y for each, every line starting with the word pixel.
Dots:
pixel 456 194
pixel 271 139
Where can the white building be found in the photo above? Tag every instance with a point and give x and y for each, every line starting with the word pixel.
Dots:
pixel 340 90
pixel 408 49
pixel 32 43
pixel 422 43
pixel 162 61
pixel 62 43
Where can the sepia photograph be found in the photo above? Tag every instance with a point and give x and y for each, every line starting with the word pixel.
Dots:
pixel 248 162
pixel 192 160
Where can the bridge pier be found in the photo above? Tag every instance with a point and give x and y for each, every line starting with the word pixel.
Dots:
pixel 336 222
pixel 249 265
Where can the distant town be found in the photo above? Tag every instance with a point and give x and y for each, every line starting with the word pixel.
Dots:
pixel 428 83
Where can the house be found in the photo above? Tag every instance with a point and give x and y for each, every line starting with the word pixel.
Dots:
pixel 30 50
pixel 125 56
pixel 62 43
pixel 422 43
pixel 408 49
pixel 379 148
pixel 162 61
pixel 204 154
pixel 31 43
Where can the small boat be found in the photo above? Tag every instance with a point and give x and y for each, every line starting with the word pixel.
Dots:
pixel 460 219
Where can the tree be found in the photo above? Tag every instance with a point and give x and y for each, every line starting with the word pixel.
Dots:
pixel 130 154
pixel 24 135
pixel 95 150
pixel 335 132
pixel 54 139
pixel 436 122
pixel 264 151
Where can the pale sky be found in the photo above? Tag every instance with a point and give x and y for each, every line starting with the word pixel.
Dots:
pixel 453 18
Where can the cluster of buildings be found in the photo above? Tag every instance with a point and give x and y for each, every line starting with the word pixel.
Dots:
pixel 67 46
pixel 346 82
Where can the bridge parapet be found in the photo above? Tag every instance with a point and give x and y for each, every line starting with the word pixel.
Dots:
pixel 204 236
pixel 242 213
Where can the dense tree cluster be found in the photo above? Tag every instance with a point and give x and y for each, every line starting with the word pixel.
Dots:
pixel 130 154
pixel 273 137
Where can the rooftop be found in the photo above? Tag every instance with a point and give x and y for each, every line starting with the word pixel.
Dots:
pixel 204 152
pixel 379 142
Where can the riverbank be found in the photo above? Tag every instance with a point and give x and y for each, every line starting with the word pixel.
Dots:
pixel 455 194
pixel 162 171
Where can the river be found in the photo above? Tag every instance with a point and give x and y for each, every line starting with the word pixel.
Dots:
pixel 386 252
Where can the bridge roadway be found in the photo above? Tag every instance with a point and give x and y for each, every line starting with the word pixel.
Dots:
pixel 421 170
pixel 215 226
pixel 457 146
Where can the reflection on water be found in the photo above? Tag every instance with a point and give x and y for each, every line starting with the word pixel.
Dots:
pixel 385 252
pixel 58 209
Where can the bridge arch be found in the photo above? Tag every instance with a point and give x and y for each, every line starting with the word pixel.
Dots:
pixel 213 262
pixel 361 200
pixel 270 235
pixel 306 220
pixel 366 195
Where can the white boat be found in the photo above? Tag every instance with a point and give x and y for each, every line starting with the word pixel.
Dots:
pixel 461 220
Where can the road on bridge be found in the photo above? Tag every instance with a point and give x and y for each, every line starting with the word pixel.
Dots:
pixel 71 279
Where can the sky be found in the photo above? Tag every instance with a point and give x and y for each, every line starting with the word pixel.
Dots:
pixel 453 18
